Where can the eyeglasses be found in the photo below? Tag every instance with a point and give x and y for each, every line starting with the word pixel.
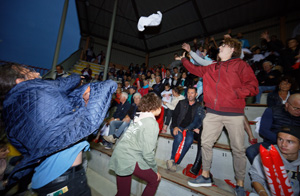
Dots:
pixel 294 108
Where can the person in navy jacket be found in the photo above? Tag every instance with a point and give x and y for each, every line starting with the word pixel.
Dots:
pixel 48 121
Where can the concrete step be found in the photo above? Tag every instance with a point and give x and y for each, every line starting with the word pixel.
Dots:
pixel 222 165
pixel 173 183
pixel 253 111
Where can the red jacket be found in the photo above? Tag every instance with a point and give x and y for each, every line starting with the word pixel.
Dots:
pixel 143 91
pixel 160 119
pixel 226 84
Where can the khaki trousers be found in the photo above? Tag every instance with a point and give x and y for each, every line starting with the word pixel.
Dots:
pixel 212 128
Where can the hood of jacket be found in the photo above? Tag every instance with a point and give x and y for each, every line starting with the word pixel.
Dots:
pixel 141 115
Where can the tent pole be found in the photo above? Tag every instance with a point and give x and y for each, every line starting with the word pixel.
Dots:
pixel 59 38
pixel 111 34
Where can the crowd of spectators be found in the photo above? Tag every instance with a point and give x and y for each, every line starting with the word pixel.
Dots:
pixel 270 61
pixel 275 65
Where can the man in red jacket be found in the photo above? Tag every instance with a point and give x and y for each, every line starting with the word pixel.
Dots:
pixel 226 84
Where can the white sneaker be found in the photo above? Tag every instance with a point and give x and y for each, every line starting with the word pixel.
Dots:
pixel 110 138
pixel 171 165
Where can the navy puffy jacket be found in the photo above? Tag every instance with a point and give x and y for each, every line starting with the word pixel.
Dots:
pixel 43 116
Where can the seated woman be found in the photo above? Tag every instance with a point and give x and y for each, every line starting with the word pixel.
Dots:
pixel 279 96
pixel 135 153
pixel 184 83
pixel 176 97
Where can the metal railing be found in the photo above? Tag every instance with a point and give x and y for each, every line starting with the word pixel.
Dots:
pixel 68 64
pixel 41 70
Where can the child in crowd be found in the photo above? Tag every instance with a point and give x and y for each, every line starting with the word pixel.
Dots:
pixel 135 153
pixel 152 80
pixel 166 95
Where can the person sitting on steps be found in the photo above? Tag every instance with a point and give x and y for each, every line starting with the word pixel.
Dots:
pixel 183 116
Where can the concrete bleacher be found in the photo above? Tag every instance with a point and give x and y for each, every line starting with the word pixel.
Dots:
pixel 171 184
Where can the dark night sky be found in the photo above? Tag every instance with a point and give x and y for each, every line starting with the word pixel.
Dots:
pixel 29 31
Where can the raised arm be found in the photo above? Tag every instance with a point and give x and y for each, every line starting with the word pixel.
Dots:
pixel 195 56
pixel 196 70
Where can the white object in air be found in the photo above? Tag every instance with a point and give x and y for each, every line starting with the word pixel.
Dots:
pixel 152 20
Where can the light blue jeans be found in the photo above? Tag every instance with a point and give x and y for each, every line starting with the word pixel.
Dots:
pixel 261 90
pixel 117 127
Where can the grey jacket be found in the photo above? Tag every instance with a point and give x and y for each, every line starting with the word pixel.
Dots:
pixel 137 146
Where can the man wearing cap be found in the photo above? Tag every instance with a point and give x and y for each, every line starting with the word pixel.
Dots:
pixel 272 120
pixel 288 145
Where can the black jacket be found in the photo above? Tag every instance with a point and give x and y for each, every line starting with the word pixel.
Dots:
pixel 181 110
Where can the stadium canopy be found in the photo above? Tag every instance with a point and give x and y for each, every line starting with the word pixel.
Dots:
pixel 183 20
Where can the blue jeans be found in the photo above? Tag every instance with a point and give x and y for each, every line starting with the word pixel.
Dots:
pixel 261 90
pixel 117 124
pixel 177 140
pixel 75 180
pixel 253 150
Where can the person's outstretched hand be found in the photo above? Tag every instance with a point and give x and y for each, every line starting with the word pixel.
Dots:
pixel 186 47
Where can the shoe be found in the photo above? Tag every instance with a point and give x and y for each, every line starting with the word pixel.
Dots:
pixel 108 146
pixel 253 141
pixel 174 167
pixel 200 181
pixel 169 164
pixel 110 138
pixel 239 191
